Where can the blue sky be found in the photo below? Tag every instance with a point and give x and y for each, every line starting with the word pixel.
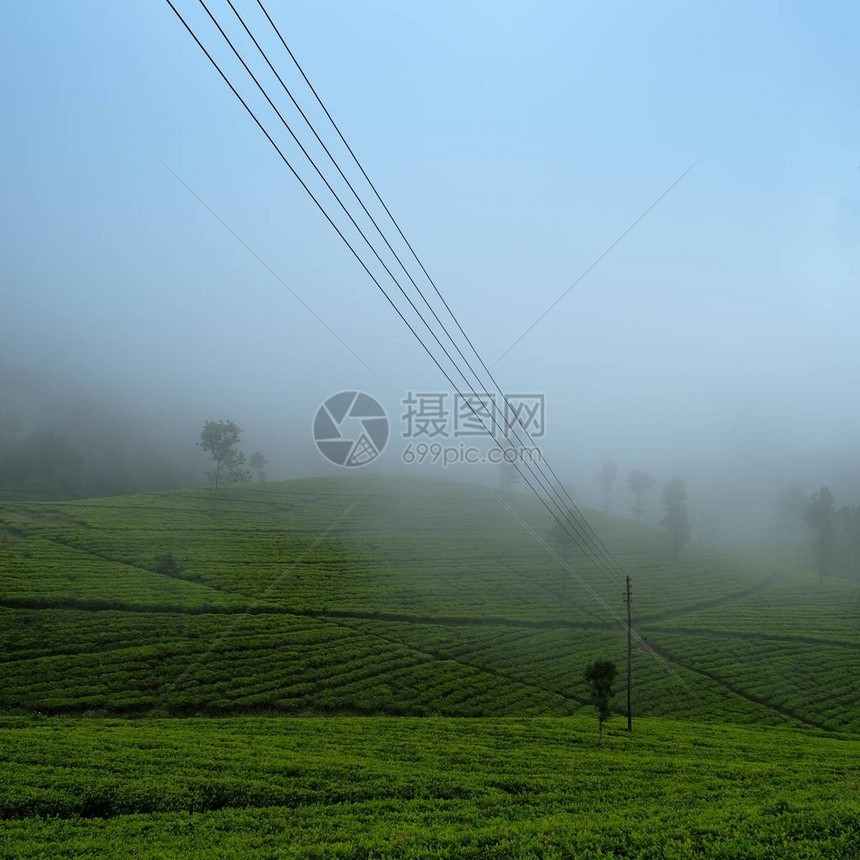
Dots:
pixel 514 144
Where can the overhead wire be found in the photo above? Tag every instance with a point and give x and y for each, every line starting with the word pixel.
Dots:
pixel 572 522
pixel 567 523
pixel 539 475
pixel 402 235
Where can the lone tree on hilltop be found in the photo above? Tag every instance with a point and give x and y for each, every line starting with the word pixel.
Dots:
pixel 600 675
pixel 638 483
pixel 819 516
pixel 608 473
pixel 675 519
pixel 221 439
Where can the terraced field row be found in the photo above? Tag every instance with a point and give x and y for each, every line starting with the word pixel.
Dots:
pixel 58 661
pixel 553 659
pixel 40 571
pixel 816 683
pixel 428 548
pixel 299 572
pixel 231 664
pixel 26 634
pixel 790 610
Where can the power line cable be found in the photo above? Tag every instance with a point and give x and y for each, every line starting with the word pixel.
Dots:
pixel 569 522
pixel 408 244
pixel 584 544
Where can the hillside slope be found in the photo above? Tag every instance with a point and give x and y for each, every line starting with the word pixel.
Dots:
pixel 360 595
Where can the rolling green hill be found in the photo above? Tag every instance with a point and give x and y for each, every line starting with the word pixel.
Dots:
pixel 394 596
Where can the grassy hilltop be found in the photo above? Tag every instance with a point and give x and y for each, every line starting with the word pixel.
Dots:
pixel 228 632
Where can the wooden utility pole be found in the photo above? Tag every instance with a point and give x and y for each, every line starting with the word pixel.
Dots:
pixel 629 659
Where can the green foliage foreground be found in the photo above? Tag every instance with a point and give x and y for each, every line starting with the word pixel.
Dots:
pixel 436 787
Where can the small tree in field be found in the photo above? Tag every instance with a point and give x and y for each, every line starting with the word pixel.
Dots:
pixel 221 439
pixel 601 675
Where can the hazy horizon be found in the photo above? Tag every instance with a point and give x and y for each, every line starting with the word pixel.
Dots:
pixel 715 342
